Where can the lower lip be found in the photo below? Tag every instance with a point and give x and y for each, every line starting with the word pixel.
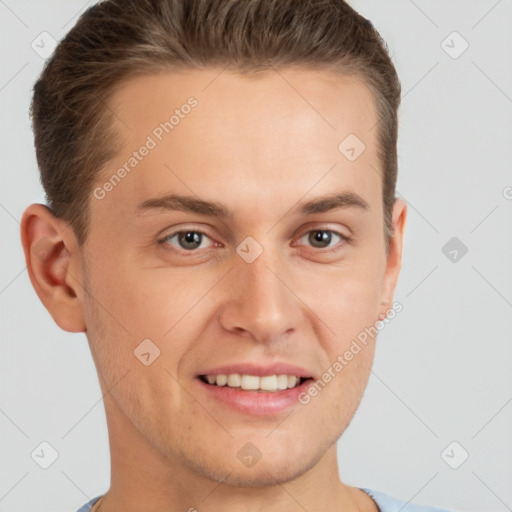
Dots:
pixel 256 402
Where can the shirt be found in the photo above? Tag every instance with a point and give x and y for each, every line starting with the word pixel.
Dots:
pixel 385 503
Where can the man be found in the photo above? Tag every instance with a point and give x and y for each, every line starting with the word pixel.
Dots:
pixel 222 225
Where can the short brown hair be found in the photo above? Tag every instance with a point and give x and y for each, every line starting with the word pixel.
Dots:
pixel 117 39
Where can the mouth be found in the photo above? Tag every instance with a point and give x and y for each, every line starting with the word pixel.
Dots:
pixel 254 383
pixel 255 390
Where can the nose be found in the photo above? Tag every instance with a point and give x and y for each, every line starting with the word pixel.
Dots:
pixel 260 300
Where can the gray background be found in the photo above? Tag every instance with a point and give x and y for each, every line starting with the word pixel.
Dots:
pixel 442 369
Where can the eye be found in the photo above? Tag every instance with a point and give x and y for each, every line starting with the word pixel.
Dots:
pixel 188 240
pixel 322 238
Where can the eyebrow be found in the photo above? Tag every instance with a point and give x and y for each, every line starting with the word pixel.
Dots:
pixel 214 209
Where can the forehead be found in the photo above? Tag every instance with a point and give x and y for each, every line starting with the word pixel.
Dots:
pixel 212 129
pixel 326 101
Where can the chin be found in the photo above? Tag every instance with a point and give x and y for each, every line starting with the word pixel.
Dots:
pixel 264 478
pixel 269 471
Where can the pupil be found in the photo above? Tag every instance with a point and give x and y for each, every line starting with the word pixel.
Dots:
pixel 190 237
pixel 320 236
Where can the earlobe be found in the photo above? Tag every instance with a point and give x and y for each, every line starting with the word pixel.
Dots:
pixel 53 264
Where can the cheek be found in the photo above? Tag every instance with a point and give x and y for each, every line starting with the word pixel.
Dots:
pixel 348 301
pixel 143 316
pixel 135 361
pixel 145 303
pixel 348 297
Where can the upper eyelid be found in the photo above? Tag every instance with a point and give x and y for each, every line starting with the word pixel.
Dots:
pixel 344 238
pixel 330 230
pixel 164 237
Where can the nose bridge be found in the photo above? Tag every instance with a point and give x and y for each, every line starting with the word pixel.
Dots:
pixel 259 301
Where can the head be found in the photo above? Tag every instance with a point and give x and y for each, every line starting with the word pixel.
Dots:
pixel 277 119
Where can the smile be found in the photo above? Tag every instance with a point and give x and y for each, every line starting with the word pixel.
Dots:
pixel 267 383
pixel 255 388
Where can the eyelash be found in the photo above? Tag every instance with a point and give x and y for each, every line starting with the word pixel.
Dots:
pixel 164 241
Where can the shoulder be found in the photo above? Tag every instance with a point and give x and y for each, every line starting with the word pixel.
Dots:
pixel 87 507
pixel 387 503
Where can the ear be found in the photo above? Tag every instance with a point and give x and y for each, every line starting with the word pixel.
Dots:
pixel 394 258
pixel 52 257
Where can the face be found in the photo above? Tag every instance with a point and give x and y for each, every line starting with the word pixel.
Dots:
pixel 221 251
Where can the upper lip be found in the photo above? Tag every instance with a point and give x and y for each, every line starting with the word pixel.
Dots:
pixel 260 370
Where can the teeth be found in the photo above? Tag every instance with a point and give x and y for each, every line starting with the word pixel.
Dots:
pixel 268 383
pixel 221 380
pixel 292 380
pixel 282 381
pixel 234 380
pixel 253 382
pixel 250 382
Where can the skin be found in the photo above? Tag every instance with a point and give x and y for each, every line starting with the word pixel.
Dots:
pixel 255 145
